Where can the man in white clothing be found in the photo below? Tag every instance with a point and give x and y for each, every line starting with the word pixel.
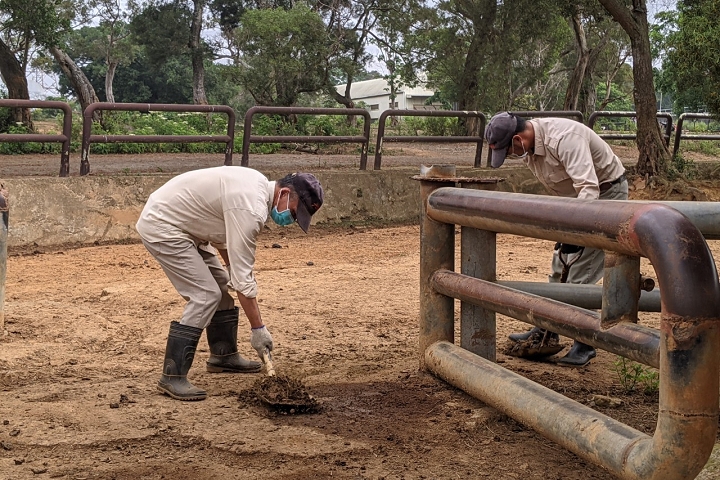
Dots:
pixel 572 161
pixel 184 224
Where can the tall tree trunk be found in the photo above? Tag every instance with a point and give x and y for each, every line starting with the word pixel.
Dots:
pixel 198 57
pixel 572 95
pixel 84 90
pixel 14 77
pixel 469 81
pixel 654 155
pixel 482 15
pixel 109 77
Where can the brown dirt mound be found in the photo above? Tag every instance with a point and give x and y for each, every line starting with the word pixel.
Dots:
pixel 285 394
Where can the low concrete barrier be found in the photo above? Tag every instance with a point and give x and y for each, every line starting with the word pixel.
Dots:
pixel 50 212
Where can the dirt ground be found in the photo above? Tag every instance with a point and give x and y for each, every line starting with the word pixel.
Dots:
pixel 85 338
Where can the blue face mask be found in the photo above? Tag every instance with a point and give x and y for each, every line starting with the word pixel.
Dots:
pixel 283 218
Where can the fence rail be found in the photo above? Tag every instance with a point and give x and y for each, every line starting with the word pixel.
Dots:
pixel 381 137
pixel 88 138
pixel 688 360
pixel 63 138
pixel 668 125
pixel 679 135
pixel 249 138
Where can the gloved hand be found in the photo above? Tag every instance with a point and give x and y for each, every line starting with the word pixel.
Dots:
pixel 260 339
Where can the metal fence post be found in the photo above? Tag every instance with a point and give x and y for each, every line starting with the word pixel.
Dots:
pixel 478 329
pixel 3 252
pixel 437 251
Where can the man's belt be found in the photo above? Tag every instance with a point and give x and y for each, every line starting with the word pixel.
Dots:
pixel 604 187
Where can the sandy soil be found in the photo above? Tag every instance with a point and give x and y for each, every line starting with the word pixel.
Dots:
pixel 86 332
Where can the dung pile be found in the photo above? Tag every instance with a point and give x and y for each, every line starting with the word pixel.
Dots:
pixel 285 395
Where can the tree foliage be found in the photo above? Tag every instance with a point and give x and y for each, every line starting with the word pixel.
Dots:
pixel 692 66
pixel 284 54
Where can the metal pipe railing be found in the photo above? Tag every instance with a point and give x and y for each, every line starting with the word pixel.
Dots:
pixel 668 125
pixel 88 138
pixel 477 139
pixel 63 138
pixel 680 136
pixel 684 348
pixel 249 138
pixel 580 295
pixel 4 211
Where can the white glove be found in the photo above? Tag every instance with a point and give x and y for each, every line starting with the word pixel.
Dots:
pixel 260 339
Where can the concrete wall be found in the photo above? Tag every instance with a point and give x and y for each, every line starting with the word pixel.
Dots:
pixel 48 212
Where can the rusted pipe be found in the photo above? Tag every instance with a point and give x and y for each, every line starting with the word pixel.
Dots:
pixel 4 212
pixel 685 269
pixel 249 138
pixel 629 340
pixel 382 138
pixel 689 360
pixel 437 251
pixel 581 295
pixel 63 139
pixel 580 429
pixel 88 138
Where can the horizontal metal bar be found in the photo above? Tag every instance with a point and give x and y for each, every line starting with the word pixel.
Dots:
pixel 580 295
pixel 629 340
pixel 431 139
pixel 305 139
pixel 704 215
pixel 32 137
pixel 159 139
pixel 582 430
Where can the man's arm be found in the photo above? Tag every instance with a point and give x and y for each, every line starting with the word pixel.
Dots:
pixel 249 305
pixel 260 337
pixel 251 309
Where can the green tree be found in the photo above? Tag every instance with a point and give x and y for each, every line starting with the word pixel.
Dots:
pixel 112 41
pixel 25 24
pixel 486 55
pixel 284 54
pixel 180 35
pixel 692 66
pixel 654 155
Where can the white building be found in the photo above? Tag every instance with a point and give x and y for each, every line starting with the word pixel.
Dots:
pixel 376 96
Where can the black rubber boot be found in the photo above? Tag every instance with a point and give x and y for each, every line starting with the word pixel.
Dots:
pixel 179 354
pixel 579 355
pixel 521 337
pixel 222 339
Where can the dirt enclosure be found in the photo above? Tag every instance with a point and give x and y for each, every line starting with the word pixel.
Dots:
pixel 84 343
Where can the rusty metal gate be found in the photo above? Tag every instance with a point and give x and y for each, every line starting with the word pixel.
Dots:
pixel 684 349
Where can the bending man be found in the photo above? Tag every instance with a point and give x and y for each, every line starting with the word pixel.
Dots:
pixel 570 160
pixel 182 224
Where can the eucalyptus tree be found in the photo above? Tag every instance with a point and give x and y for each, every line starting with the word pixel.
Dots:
pixel 653 156
pixel 111 40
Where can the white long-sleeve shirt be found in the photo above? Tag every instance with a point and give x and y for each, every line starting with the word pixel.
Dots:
pixel 223 206
pixel 570 159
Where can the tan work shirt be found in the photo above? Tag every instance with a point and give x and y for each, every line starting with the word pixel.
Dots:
pixel 223 206
pixel 570 159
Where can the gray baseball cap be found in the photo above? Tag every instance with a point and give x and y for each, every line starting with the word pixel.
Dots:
pixel 499 132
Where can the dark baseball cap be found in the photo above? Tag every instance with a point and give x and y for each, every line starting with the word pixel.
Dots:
pixel 310 194
pixel 500 131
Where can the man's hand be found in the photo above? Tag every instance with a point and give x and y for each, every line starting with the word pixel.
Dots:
pixel 260 339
